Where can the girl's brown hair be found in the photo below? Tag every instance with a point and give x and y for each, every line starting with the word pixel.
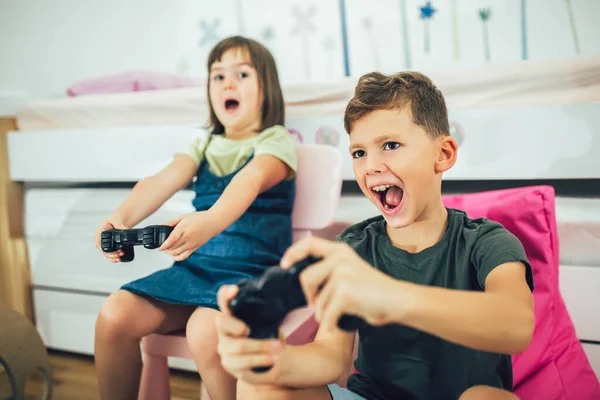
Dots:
pixel 273 107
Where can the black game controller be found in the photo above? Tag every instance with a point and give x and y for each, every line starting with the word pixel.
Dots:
pixel 264 303
pixel 151 237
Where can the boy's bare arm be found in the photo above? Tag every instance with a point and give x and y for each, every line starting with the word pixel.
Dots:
pixel 152 192
pixel 498 320
pixel 262 173
pixel 326 360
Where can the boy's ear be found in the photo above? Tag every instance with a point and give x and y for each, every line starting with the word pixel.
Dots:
pixel 447 152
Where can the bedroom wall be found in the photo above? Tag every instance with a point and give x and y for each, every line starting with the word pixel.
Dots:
pixel 47 45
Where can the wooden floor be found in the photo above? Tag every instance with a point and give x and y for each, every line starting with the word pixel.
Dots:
pixel 74 378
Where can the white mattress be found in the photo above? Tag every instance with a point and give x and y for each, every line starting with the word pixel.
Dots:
pixel 518 84
pixel 578 222
pixel 60 226
pixel 96 155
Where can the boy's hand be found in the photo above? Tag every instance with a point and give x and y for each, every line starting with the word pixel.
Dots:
pixel 343 283
pixel 111 222
pixel 239 354
pixel 191 231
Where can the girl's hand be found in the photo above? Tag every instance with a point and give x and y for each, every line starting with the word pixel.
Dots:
pixel 112 222
pixel 191 231
pixel 239 354
pixel 343 283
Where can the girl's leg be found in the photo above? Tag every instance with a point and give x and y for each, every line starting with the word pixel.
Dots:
pixel 123 320
pixel 201 334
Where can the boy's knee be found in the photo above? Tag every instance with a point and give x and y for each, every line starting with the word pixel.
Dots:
pixel 248 391
pixel 487 392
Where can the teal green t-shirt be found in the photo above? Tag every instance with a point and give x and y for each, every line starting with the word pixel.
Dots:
pixel 399 362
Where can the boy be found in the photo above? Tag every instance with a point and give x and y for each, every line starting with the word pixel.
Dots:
pixel 446 298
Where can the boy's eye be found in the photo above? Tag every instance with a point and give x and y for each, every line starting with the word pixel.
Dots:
pixel 242 75
pixel 391 145
pixel 358 154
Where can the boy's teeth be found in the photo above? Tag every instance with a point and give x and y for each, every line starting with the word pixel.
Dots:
pixel 381 188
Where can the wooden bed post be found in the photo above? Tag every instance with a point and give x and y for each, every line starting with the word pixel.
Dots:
pixel 15 275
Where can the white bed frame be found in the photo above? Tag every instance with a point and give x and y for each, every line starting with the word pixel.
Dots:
pixel 544 142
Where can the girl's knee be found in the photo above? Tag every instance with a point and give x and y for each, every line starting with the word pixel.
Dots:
pixel 115 317
pixel 487 392
pixel 201 332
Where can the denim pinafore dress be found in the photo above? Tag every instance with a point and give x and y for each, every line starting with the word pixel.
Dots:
pixel 253 243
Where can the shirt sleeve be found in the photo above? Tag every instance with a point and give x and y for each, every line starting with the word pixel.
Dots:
pixel 195 149
pixel 495 246
pixel 278 142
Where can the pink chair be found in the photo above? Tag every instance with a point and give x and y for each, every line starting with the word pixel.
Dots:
pixel 318 190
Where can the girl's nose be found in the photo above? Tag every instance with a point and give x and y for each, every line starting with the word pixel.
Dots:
pixel 228 83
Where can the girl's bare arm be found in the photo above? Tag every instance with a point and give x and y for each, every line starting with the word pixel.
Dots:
pixel 152 192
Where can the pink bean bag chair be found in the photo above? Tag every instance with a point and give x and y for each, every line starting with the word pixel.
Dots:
pixel 554 366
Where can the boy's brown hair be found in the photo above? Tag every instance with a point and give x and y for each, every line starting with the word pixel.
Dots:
pixel 377 91
pixel 273 107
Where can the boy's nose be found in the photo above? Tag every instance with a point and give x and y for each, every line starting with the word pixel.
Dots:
pixel 374 166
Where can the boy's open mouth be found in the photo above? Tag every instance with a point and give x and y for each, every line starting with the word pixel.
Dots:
pixel 390 196
pixel 231 105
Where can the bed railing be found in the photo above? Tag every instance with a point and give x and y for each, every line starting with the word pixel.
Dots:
pixel 15 276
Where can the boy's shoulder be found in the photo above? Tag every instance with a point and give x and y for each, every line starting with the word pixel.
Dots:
pixel 472 223
pixel 474 227
pixel 361 230
pixel 478 244
pixel 458 220
pixel 487 244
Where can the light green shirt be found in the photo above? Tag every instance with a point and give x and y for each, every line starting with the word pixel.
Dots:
pixel 225 156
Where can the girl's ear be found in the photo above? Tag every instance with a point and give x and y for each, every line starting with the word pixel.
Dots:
pixel 447 152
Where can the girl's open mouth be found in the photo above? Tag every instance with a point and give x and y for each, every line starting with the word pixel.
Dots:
pixel 389 196
pixel 231 105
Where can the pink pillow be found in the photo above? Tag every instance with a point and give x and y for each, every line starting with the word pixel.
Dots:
pixel 132 81
pixel 554 365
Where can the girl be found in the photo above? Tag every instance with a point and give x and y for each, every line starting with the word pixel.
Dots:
pixel 244 191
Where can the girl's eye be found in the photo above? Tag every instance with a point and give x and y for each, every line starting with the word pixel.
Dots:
pixel 358 154
pixel 218 78
pixel 242 75
pixel 391 145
